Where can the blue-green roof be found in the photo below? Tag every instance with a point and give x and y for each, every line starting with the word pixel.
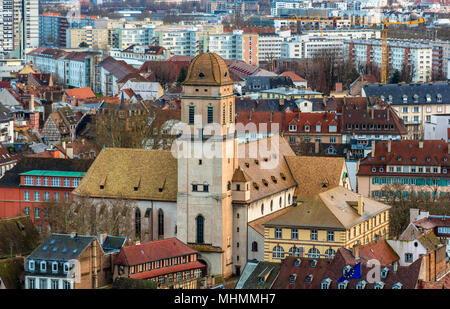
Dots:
pixel 53 173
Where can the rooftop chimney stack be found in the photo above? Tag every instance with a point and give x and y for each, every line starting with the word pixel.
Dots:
pixel 31 107
pixel 413 214
pixel 373 148
pixel 360 205
pixel 316 146
pixel 448 148
pixel 389 145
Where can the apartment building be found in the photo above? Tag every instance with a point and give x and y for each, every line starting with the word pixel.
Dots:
pixel 185 42
pixel 129 34
pixel 401 52
pixel 19 26
pixel 269 44
pixel 138 54
pixel 438 127
pixel 421 167
pixel 414 103
pixel 96 38
pixel 314 42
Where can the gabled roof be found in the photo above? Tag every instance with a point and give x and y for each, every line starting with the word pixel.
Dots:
pixel 19 235
pixel 62 247
pixel 80 93
pixel 294 77
pixel 152 251
pixel 239 175
pixel 329 209
pixel 106 178
pixel 315 174
pixel 118 68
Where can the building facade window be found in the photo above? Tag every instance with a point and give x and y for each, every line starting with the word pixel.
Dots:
pixel 313 234
pixel 37 196
pixel 294 234
pixel 26 195
pixel 191 114
pixel 330 236
pixel 278 252
pixel 160 223
pixel 200 229
pixel 278 233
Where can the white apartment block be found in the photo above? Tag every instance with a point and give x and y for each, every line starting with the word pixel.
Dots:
pixel 187 42
pixel 130 34
pixel 269 44
pixel 314 42
pixel 136 55
pixel 438 127
pixel 418 55
pixel 277 6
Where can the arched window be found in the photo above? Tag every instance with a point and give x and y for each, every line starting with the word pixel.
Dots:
pixel 200 229
pixel 137 222
pixel 314 253
pixel 295 251
pixel 160 223
pixel 277 252
pixel 330 253
pixel 254 246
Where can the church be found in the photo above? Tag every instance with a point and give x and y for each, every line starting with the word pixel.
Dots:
pixel 207 189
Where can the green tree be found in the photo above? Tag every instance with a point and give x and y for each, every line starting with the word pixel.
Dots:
pixel 83 45
pixel 395 78
pixel 181 76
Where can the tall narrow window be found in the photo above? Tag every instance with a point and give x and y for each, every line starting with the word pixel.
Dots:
pixel 223 114
pixel 137 221
pixel 231 112
pixel 191 114
pixel 200 229
pixel 210 114
pixel 160 223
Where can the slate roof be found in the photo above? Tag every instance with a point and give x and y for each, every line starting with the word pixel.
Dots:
pixel 253 281
pixel 397 91
pixel 12 177
pixel 61 247
pixel 152 251
pixel 408 276
pixel 258 83
pixel 113 243
pixel 118 68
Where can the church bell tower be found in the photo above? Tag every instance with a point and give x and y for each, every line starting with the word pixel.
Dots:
pixel 206 162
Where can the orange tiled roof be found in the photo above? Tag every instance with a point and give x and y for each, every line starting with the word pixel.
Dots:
pixel 81 93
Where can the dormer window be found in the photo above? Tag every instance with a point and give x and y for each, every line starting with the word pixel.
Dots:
pixel 374 169
pixel 416 98
pixel 55 267
pixel 384 272
pixel 343 285
pixel 383 158
pixel 43 267
pixel 390 99
pixel 307 128
pixel 31 265
pixel 439 98
pixel 308 279
pixel 66 268
pixel 405 98
pixel 428 98
pixel 313 263
pixel 379 285
pixel 325 285
pixel 361 285
pixel 346 269
pixel 318 128
pixel 201 75
pixel 292 128
pixel 292 278
pixel 397 286
pixel 428 159
pixel 399 159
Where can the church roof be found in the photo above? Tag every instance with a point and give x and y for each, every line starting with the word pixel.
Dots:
pixel 116 173
pixel 208 69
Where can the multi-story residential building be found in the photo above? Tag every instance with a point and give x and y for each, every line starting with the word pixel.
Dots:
pixel 289 94
pixel 53 27
pixel 96 38
pixel 269 45
pixel 280 7
pixel 130 34
pixel 417 55
pixel 323 223
pixel 33 182
pixel 71 261
pixel 137 55
pixel 236 45
pixel 109 73
pixel 19 27
pixel 185 42
pixel 362 123
pixel 414 103
pixel 6 125
pixel 420 167
pixel 71 69
pixel 438 127
pixel 168 262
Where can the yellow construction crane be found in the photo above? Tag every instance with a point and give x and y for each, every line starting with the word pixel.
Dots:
pixel 355 20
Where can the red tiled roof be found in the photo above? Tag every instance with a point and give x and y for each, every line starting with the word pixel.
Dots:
pixel 167 270
pixel 81 93
pixel 325 120
pixel 379 250
pixel 433 153
pixel 431 222
pixel 152 251
pixel 262 118
pixel 294 77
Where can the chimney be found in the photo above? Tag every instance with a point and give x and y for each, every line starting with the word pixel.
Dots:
pixel 271 116
pixel 372 111
pixel 448 148
pixel 395 265
pixel 413 214
pixel 356 251
pixel 316 146
pixel 373 148
pixel 64 145
pixel 31 106
pixel 250 115
pixel 360 205
pixel 389 145
pixel 387 113
pixel 421 144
